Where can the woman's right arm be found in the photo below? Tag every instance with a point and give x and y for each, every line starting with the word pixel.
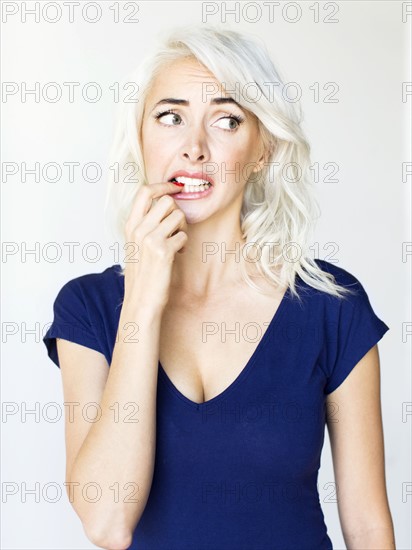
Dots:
pixel 117 453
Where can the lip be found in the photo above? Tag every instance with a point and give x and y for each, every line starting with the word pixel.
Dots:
pixel 194 195
pixel 196 175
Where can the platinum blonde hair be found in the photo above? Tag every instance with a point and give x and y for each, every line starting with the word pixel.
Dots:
pixel 279 209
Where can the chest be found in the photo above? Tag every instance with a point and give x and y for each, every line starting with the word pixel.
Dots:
pixel 203 349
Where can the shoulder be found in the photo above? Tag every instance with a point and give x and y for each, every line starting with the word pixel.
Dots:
pixel 346 279
pixel 100 278
pixel 332 307
pixel 93 295
pixel 86 310
pixel 94 285
pixel 341 275
pixel 354 306
pixel 350 326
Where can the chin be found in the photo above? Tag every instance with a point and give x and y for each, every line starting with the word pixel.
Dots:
pixel 194 217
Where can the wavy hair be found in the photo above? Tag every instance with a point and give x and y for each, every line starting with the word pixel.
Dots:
pixel 279 209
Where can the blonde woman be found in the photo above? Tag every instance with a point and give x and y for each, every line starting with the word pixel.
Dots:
pixel 218 354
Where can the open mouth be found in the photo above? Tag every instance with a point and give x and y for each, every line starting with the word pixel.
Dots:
pixel 191 185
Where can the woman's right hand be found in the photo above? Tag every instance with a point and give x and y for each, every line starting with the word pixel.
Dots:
pixel 156 231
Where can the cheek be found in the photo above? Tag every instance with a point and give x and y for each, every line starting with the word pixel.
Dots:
pixel 238 164
pixel 160 142
pixel 240 150
pixel 151 146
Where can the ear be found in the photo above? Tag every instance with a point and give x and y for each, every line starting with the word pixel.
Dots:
pixel 264 158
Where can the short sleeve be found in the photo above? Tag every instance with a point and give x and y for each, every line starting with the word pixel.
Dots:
pixel 71 321
pixel 357 330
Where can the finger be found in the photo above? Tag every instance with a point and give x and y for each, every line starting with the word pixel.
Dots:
pixel 172 224
pixel 144 198
pixel 178 242
pixel 164 206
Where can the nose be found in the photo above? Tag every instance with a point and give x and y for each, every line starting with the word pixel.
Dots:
pixel 195 146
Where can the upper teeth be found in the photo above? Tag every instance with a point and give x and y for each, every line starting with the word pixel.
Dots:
pixel 190 181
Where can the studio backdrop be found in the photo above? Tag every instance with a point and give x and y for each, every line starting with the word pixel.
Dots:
pixel 63 69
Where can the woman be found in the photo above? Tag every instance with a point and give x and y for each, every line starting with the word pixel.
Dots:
pixel 214 355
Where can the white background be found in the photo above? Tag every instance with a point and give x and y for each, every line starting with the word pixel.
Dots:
pixel 365 215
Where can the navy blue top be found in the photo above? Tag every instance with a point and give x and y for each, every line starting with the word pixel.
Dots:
pixel 240 470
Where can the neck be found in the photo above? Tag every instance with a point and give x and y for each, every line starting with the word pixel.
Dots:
pixel 211 260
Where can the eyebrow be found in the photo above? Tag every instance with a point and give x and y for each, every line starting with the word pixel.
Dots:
pixel 185 102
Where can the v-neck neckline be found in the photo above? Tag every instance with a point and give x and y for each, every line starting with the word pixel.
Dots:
pixel 243 373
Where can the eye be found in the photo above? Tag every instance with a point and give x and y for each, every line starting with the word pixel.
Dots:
pixel 171 113
pixel 238 120
pixel 163 114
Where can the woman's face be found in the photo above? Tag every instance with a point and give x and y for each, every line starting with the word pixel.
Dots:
pixel 199 136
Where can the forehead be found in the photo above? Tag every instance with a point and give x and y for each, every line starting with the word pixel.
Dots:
pixel 184 73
